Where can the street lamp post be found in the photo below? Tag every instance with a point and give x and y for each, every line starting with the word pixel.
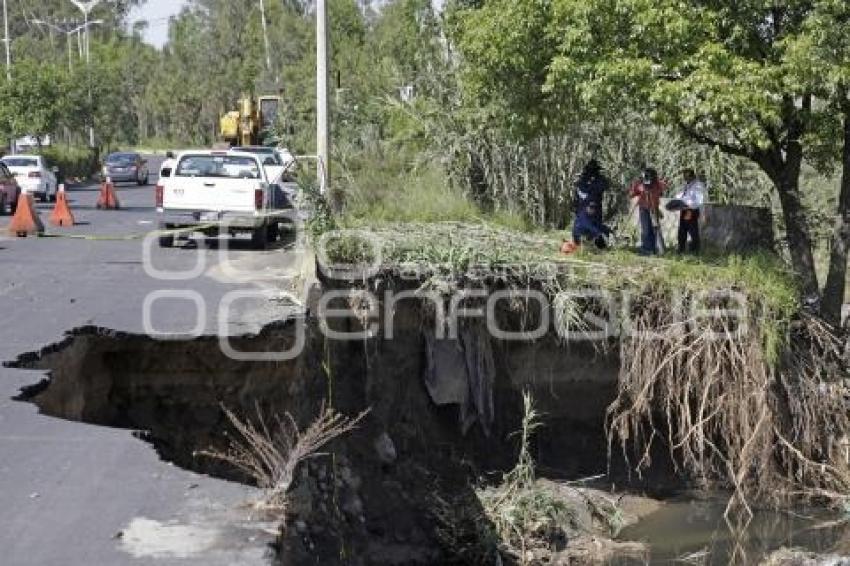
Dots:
pixel 69 30
pixel 86 8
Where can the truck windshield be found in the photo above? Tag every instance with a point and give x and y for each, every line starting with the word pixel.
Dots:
pixel 228 166
pixel 20 162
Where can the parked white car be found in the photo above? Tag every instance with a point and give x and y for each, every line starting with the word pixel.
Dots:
pixel 280 167
pixel 28 143
pixel 275 160
pixel 33 175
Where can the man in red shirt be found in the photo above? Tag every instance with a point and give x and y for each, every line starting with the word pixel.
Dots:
pixel 648 190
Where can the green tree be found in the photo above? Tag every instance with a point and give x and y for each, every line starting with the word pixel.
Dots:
pixel 506 52
pixel 112 90
pixel 821 57
pixel 720 71
pixel 32 102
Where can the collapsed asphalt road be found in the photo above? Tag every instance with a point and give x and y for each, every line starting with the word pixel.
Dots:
pixel 73 494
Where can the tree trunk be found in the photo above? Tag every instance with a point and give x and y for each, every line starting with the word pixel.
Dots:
pixel 836 280
pixel 787 181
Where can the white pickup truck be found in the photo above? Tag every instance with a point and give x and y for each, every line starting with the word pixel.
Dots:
pixel 222 192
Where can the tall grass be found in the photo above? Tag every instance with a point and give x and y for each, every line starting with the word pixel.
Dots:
pixel 535 176
pixel 380 193
pixel 524 515
pixel 417 196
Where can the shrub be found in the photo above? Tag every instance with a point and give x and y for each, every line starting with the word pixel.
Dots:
pixel 73 161
pixel 270 449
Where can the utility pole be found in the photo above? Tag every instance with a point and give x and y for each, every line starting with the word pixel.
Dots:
pixel 322 129
pixel 8 58
pixel 266 35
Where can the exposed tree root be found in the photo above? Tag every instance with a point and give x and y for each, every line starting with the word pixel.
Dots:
pixel 731 419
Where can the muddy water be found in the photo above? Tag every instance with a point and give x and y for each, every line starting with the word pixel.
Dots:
pixel 687 530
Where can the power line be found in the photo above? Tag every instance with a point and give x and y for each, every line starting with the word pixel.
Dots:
pixel 154 23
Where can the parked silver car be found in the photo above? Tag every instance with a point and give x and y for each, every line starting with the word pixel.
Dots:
pixel 126 167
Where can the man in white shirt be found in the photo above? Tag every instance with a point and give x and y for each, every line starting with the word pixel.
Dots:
pixel 693 197
pixel 166 170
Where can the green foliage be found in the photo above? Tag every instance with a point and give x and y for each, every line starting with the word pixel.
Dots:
pixel 321 218
pixel 521 512
pixel 378 195
pixel 765 82
pixel 349 249
pixel 31 103
pixel 49 91
pixel 507 51
pixel 75 161
pixel 527 141
pixel 115 83
pixel 718 72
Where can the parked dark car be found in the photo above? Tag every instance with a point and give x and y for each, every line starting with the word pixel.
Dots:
pixel 126 167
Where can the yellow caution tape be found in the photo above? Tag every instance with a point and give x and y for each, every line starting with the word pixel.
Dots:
pixel 153 233
pixel 130 237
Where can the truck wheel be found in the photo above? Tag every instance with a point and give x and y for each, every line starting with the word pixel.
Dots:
pixel 166 240
pixel 259 238
pixel 273 232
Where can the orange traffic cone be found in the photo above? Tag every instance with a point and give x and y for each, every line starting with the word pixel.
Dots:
pixel 62 215
pixel 108 199
pixel 26 220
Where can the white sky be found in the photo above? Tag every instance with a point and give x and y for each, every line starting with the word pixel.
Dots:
pixel 157 12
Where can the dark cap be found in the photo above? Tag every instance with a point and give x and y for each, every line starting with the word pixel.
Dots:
pixel 593 166
pixel 649 176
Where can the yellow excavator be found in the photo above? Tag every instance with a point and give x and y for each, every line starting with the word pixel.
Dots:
pixel 252 124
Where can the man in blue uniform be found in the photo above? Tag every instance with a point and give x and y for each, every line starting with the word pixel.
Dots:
pixel 589 193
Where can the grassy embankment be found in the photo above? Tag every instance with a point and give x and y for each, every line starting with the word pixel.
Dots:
pixel 421 219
